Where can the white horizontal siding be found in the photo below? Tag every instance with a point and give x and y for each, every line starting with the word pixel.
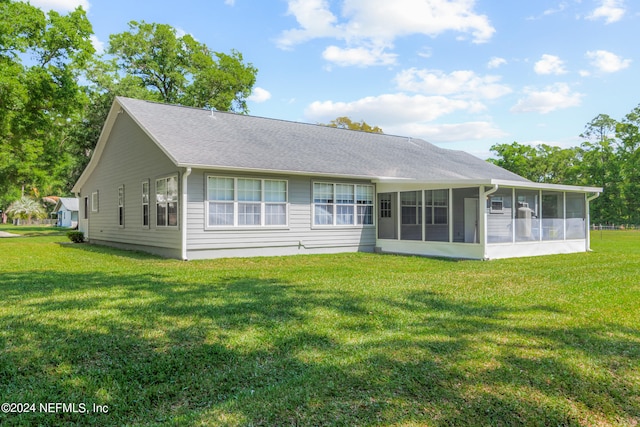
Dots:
pixel 129 158
pixel 299 236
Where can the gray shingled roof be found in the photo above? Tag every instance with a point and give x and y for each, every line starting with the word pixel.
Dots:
pixel 201 138
pixel 70 203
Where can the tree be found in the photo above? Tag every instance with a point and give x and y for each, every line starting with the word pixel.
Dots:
pixel 600 166
pixel 150 61
pixel 347 123
pixel 40 99
pixel 26 208
pixel 628 133
pixel 542 163
pixel 608 158
pixel 181 70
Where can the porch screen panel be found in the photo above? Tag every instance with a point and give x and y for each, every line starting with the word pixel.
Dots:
pixel 411 215
pixel 500 212
pixel 552 215
pixel 437 215
pixel 576 216
pixel 527 215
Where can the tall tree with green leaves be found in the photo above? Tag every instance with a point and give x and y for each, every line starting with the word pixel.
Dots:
pixel 600 166
pixel 153 62
pixel 41 57
pixel 180 70
pixel 628 133
pixel 542 163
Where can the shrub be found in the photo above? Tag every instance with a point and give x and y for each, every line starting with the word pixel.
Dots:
pixel 76 236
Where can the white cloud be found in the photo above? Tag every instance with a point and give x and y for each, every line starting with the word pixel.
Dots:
pixel 379 22
pixel 97 44
pixel 555 97
pixel 315 20
pixel 359 56
pixel 448 132
pixel 391 109
pixel 60 5
pixel 230 2
pixel 259 95
pixel 610 10
pixel 552 11
pixel 463 84
pixel 390 19
pixel 550 64
pixel 401 114
pixel 607 62
pixel 496 62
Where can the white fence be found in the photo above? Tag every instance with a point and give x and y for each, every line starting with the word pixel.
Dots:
pixel 615 227
pixel 35 222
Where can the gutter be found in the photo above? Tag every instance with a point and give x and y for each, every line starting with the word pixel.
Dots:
pixel 185 177
pixel 482 217
pixel 493 190
pixel 588 224
pixel 595 196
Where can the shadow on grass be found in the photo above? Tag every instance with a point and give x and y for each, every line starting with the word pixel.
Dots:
pixel 108 250
pixel 34 230
pixel 253 350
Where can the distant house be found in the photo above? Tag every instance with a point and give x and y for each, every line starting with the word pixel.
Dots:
pixel 67 210
pixel 192 184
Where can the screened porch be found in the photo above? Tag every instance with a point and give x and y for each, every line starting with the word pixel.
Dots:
pixel 499 220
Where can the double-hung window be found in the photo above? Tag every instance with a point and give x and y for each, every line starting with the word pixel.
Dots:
pixel 121 206
pixel 342 204
pixel 145 204
pixel 246 202
pixel 167 202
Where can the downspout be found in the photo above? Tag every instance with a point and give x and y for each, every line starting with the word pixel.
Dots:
pixel 482 207
pixel 185 199
pixel 588 224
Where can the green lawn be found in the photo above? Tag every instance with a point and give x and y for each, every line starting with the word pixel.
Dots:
pixel 352 339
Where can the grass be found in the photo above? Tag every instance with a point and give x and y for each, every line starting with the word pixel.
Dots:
pixel 350 339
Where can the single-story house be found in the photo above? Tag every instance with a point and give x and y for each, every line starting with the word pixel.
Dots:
pixel 67 210
pixel 193 184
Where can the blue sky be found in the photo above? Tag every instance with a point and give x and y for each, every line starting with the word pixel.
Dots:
pixel 462 74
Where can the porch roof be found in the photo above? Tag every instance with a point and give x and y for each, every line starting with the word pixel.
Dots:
pixel 489 182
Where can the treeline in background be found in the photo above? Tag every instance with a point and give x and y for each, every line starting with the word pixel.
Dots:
pixel 609 158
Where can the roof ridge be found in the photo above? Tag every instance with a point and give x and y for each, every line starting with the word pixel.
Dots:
pixel 233 113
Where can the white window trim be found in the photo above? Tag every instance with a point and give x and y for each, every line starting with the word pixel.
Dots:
pixel 155 204
pixel 148 204
pixel 235 202
pixel 334 204
pixel 121 206
pixel 95 201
